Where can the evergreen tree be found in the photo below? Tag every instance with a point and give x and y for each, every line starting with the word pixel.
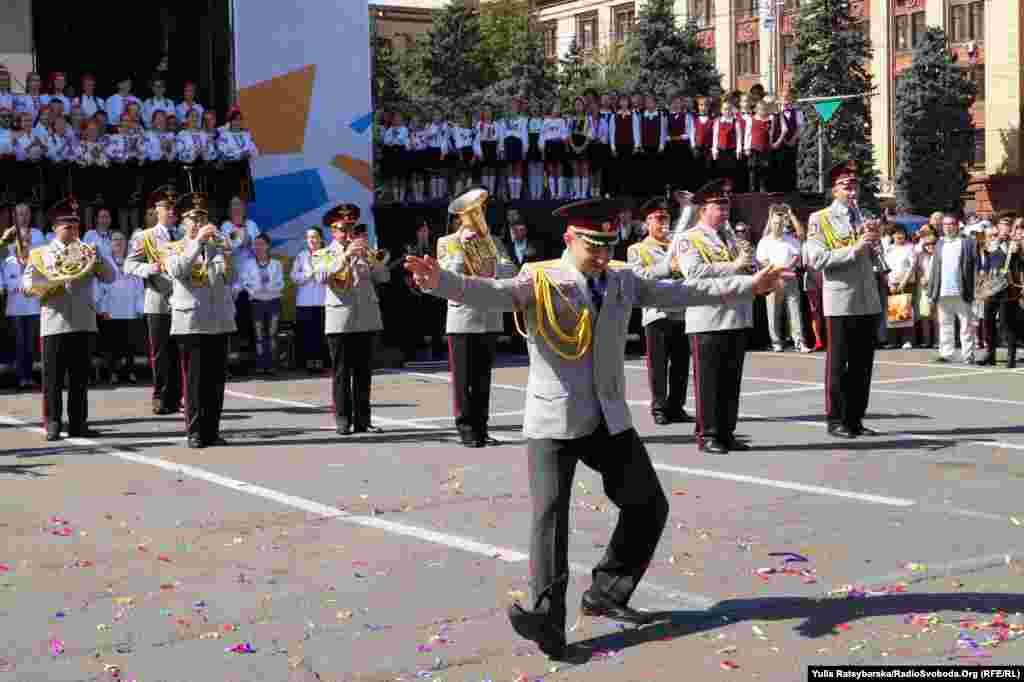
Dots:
pixel 932 100
pixel 504 30
pixel 453 56
pixel 531 75
pixel 668 58
pixel 832 58
pixel 386 79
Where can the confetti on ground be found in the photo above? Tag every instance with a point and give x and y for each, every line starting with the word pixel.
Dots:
pixel 241 648
pixel 56 647
pixel 729 665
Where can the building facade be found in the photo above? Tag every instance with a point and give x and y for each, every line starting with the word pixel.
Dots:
pixel 753 41
pixel 400 22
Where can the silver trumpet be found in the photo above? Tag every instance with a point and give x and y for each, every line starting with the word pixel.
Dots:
pixel 877 256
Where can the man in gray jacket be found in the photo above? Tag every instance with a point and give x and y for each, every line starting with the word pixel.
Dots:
pixel 951 289
pixel 718 330
pixel 202 317
pixel 841 249
pixel 67 322
pixel 352 317
pixel 144 262
pixel 576 310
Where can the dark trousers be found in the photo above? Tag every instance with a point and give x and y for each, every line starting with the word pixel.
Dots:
pixel 265 318
pixel 117 340
pixel 66 353
pixel 668 365
pixel 632 485
pixel 718 374
pixel 26 339
pixel 1007 312
pixel 203 357
pixel 309 327
pixel 470 360
pixel 759 166
pixel 352 359
pixel 164 361
pixel 848 365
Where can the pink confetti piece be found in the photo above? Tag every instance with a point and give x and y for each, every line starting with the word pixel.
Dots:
pixel 729 665
pixel 241 648
pixel 56 647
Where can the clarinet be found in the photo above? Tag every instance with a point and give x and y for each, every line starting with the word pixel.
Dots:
pixel 877 257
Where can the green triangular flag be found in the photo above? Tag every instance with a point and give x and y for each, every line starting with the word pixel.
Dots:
pixel 826 108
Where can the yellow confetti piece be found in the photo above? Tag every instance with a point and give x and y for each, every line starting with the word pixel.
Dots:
pixel 102 627
pixel 210 635
pixel 759 632
pixel 727 650
pixel 124 601
pixel 518 595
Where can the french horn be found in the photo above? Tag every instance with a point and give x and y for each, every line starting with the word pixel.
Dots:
pixel 77 262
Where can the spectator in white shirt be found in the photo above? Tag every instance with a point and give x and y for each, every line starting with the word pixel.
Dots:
pixel 101 235
pixel 189 103
pixel 88 100
pixel 241 232
pixel 951 290
pixel 116 104
pixel 784 250
pixel 309 305
pixel 263 279
pixel 23 311
pixel 119 306
pixel 900 259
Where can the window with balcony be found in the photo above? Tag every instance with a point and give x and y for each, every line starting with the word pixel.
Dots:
pixel 902 25
pixel 788 50
pixel 550 36
pixel 748 58
pixel 623 21
pixel 976 23
pixel 792 4
pixel 918 28
pixel 586 32
pixel 745 8
pixel 958 23
pixel 703 12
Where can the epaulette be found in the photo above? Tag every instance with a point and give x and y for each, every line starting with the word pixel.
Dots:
pixel 618 265
pixel 554 262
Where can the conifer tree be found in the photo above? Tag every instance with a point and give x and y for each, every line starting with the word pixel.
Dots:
pixel 832 59
pixel 668 58
pixel 932 147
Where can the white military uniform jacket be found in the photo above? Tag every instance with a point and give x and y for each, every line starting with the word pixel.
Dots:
pixel 703 254
pixel 850 285
pixel 568 398
pixel 355 308
pixel 159 285
pixel 70 308
pixel 650 259
pixel 462 318
pixel 201 306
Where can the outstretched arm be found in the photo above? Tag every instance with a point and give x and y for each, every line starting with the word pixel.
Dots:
pixel 478 292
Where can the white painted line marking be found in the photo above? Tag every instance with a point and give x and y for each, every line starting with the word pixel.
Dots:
pixel 948 396
pixel 820 357
pixel 787 485
pixel 469 545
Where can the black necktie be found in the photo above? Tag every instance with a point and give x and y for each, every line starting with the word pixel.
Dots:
pixel 596 292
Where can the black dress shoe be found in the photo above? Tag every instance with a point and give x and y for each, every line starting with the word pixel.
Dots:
pixel 471 439
pixel 537 627
pixel 738 445
pixel 366 428
pixel 862 430
pixel 216 441
pixel 195 443
pixel 661 419
pixel 840 431
pixel 486 440
pixel 83 433
pixel 52 435
pixel 714 447
pixel 343 429
pixel 682 417
pixel 164 410
pixel 600 605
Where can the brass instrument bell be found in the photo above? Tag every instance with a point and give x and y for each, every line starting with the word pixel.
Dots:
pixel 469 207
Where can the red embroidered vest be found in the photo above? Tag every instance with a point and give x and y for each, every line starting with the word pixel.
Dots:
pixel 702 131
pixel 759 134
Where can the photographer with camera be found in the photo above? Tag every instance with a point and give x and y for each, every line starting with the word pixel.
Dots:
pixel 781 247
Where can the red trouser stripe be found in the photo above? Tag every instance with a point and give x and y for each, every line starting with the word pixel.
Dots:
pixel 828 366
pixel 455 381
pixel 184 386
pixel 697 399
pixel 42 390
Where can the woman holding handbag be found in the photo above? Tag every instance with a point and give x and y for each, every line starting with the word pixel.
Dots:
pixel 899 256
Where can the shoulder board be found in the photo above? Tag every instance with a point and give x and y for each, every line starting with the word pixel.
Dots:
pixel 37 252
pixel 618 265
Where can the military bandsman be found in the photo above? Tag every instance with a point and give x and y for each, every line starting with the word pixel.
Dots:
pixel 351 272
pixel 576 407
pixel 668 349
pixel 61 274
pixel 145 260
pixel 202 316
pixel 718 332
pixel 841 249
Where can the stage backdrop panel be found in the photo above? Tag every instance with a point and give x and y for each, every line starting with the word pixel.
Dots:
pixel 303 73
